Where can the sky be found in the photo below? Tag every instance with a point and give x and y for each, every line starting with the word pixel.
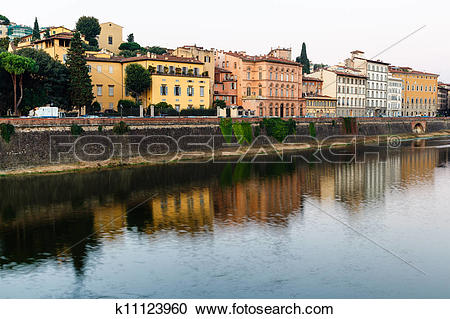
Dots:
pixel 330 29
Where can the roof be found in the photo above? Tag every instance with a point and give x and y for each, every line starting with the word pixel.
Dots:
pixel 166 57
pixel 346 71
pixel 222 70
pixel 372 61
pixel 408 70
pixel 262 58
pixel 111 23
pixel 154 57
pixel 317 97
pixel 61 36
pixel 308 78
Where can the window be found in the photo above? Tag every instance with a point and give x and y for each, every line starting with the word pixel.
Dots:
pixel 190 91
pixel 110 69
pixel 111 105
pixel 99 90
pixel 110 40
pixel 202 91
pixel 177 90
pixel 99 68
pixel 164 89
pixel 248 75
pixel 249 91
pixel 89 68
pixel 111 90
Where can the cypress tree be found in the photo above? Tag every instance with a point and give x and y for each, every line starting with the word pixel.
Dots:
pixel 36 34
pixel 80 85
pixel 303 59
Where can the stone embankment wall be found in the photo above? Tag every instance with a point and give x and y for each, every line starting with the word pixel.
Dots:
pixel 35 139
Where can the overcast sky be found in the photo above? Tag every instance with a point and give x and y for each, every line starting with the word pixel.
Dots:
pixel 330 28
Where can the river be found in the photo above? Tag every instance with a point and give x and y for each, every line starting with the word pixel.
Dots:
pixel 375 229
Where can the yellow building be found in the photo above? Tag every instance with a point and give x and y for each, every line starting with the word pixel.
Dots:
pixel 320 106
pixel 202 55
pixel 420 91
pixel 175 80
pixel 26 40
pixel 56 45
pixel 110 37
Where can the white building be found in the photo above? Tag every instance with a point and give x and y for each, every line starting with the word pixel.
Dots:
pixel 347 85
pixel 377 82
pixel 394 96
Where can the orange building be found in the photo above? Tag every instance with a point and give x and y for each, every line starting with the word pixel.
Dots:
pixel 420 91
pixel 266 85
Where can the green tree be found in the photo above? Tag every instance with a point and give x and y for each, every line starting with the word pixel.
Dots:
pixel 4 20
pixel 131 46
pixel 47 34
pixel 36 33
pixel 137 80
pixel 4 44
pixel 16 66
pixel 303 59
pixel 128 53
pixel 48 85
pixel 80 85
pixel 156 50
pixel 90 28
pixel 130 37
pixel 220 103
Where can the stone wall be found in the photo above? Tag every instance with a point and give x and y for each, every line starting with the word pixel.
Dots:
pixel 36 142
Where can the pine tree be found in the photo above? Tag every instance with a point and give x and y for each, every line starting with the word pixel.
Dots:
pixel 36 32
pixel 303 59
pixel 130 38
pixel 80 86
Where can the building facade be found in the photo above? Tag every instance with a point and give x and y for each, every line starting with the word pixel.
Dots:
pixel 110 37
pixel 225 86
pixel 266 85
pixel 3 31
pixel 347 86
pixel 16 31
pixel 202 55
pixel 316 104
pixel 443 98
pixel 420 91
pixel 56 45
pixel 176 81
pixel 377 82
pixel 394 96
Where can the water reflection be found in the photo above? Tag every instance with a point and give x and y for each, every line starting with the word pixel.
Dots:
pixel 71 216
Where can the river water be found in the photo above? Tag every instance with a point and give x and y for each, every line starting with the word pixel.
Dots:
pixel 377 229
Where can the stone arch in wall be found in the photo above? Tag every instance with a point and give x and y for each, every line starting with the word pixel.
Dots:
pixel 418 127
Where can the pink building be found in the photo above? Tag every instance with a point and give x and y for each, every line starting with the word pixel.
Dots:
pixel 225 86
pixel 266 85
